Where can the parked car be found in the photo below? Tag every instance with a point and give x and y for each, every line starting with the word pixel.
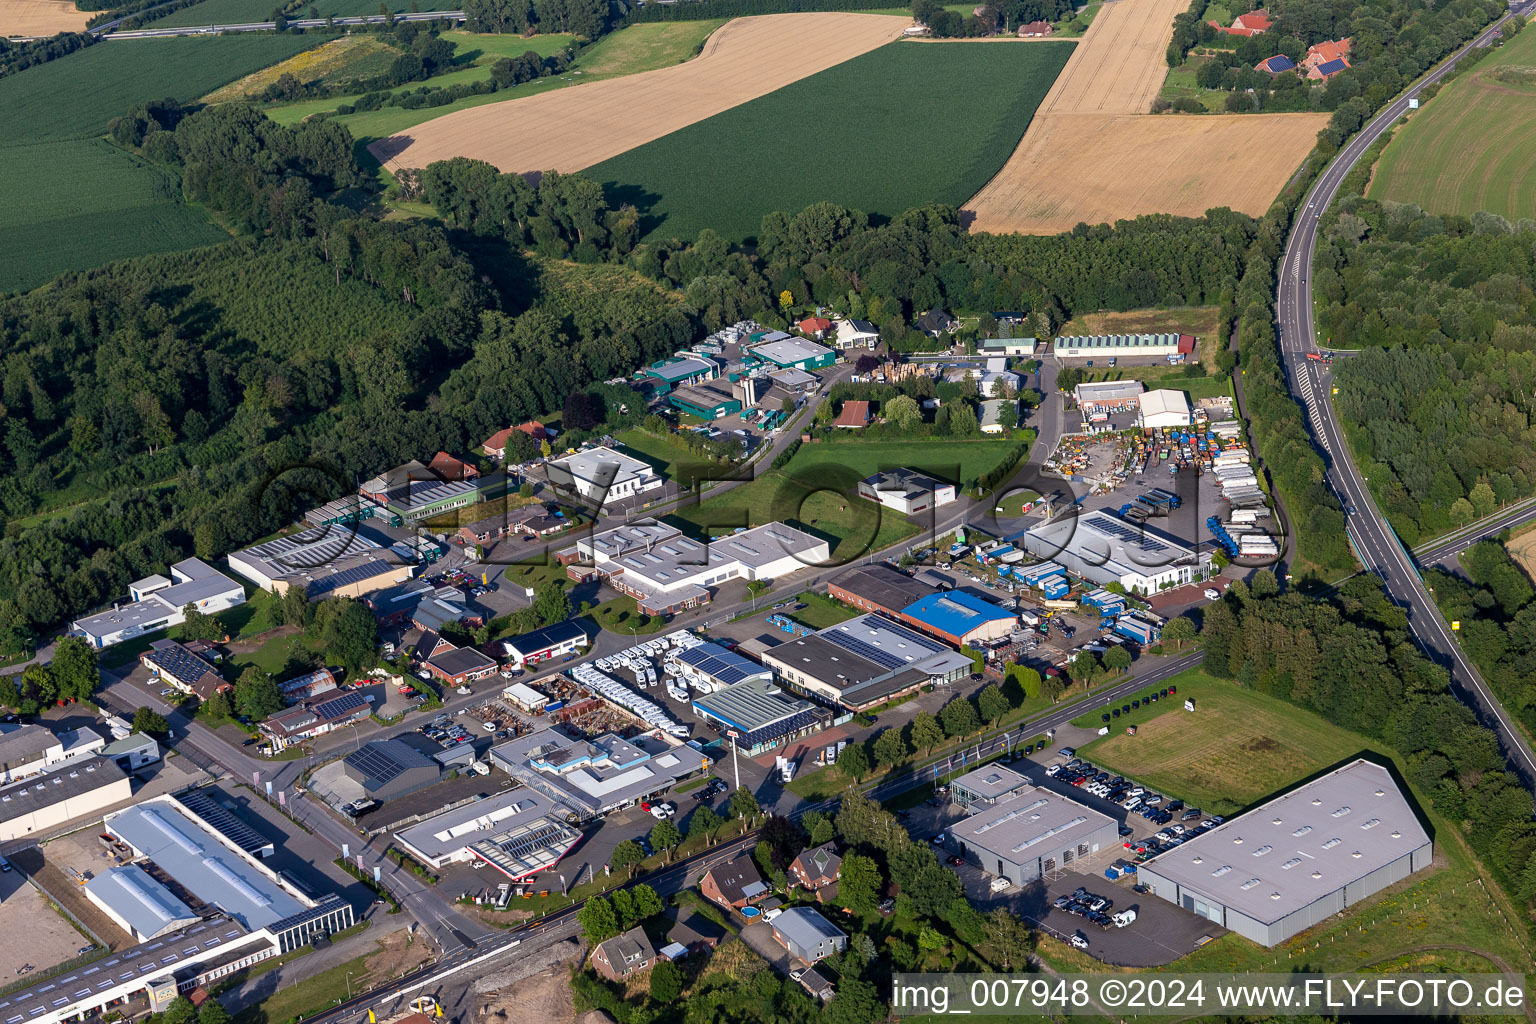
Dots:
pixel 1078 942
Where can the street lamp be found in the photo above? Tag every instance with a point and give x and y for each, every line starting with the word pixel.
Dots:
pixel 349 986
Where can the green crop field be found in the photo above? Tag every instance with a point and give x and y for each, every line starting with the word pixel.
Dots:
pixel 957 461
pixel 903 125
pixel 77 200
pixel 1472 147
pixel 1237 747
pixel 235 12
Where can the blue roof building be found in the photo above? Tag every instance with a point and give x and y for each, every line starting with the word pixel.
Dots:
pixel 960 617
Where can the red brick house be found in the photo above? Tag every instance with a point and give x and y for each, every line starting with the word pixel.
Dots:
pixel 1252 24
pixel 619 957
pixel 853 416
pixel 450 468
pixel 816 326
pixel 818 869
pixel 1035 29
pixel 734 884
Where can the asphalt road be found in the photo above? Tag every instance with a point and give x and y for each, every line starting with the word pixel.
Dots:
pixel 1374 543
pixel 105 29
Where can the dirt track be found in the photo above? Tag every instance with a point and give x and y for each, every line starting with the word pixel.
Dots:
pixel 1093 153
pixel 40 17
pixel 576 127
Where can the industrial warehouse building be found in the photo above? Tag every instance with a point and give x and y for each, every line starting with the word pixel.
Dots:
pixel 1164 408
pixel 761 715
pixel 593 777
pixel 44 802
pixel 877 588
pixel 706 401
pixel 960 618
pixel 666 572
pixel 906 490
pixel 864 662
pixel 518 832
pixel 990 784
pixel 1103 549
pixel 795 354
pixel 717 667
pixel 27 749
pixel 1173 347
pixel 213 870
pixel 603 475
pixel 325 562
pixel 681 372
pixel 1107 396
pixel 137 903
pixel 1299 858
pixel 389 769
pixel 156 603
pixel 1028 835
pixel 554 641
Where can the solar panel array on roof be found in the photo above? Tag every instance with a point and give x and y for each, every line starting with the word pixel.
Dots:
pixel 720 664
pixel 844 638
pixel 1127 533
pixel 221 820
pixel 366 569
pixel 335 707
pixel 376 763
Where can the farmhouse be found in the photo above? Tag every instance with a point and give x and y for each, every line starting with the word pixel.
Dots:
pixel 1103 549
pixel 960 618
pixel 1299 859
pixel 1326 70
pixel 857 334
pixel 1029 835
pixel 906 491
pixel 158 603
pixel 1276 64
pixel 1164 408
pixel 603 475
pixel 795 354
pixel 1326 59
pixel 1035 29
pixel 817 327
pixel 864 662
pixel 1255 23
pixel 853 415
pixel 877 588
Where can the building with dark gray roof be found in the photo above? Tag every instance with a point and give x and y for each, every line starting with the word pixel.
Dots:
pixel 761 715
pixel 877 588
pixel 864 662
pixel 389 769
pixel 1031 834
pixel 42 803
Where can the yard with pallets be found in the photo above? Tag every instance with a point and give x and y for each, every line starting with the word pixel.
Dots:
pixel 1473 146
pixel 727 172
pixel 77 200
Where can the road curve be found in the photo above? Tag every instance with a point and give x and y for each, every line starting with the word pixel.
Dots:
pixel 1374 542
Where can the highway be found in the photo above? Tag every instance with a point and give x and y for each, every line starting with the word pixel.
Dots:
pixel 1374 542
pixel 105 29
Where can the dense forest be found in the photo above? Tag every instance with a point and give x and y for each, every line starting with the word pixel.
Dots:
pixel 1353 659
pixel 1439 402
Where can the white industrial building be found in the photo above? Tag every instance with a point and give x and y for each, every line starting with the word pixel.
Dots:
pixel 137 903
pixel 906 490
pixel 329 561
pixel 1164 408
pixel 27 749
pixel 593 777
pixel 518 832
pixel 157 603
pixel 1172 347
pixel 38 805
pixel 603 475
pixel 1298 859
pixel 1107 396
pixel 666 572
pixel 1103 549
pixel 1027 835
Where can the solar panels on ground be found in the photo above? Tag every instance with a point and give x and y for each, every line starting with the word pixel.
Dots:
pixel 222 821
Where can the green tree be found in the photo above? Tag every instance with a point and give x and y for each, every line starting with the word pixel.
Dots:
pixel 74 668
pixel 218 705
pixel 853 761
pixel 551 603
pixel 213 1012
pixel 1084 668
pixel 1117 659
pixel 903 413
pixel 666 982
pixel 151 722
pixel 744 804
pixel 819 827
pixel 705 822
pixel 959 718
pixel 890 748
pixel 627 854
pixel 598 919
pixel 962 420
pixel 1484 503
pixel 1051 688
pixel 859 883
pixel 1025 679
pixel 926 731
pixel 991 703
pixel 645 902
pixel 351 637
pixel 665 836
pixel 296 607
pixel 1008 939
pixel 256 694
pixel 200 626
pixel 1179 632
pixel 181 1011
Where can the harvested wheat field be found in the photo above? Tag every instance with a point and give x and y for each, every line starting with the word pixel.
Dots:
pixel 1523 550
pixel 19 18
pixel 574 128
pixel 1094 153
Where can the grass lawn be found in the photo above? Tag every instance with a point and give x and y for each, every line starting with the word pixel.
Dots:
pixel 955 461
pixel 658 451
pixel 626 52
pixel 1201 321
pixel 1473 146
pixel 980 99
pixel 308 997
pixel 621 616
pixel 821 611
pixel 1238 746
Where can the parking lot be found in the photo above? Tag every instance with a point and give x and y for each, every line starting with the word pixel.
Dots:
pixel 33 935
